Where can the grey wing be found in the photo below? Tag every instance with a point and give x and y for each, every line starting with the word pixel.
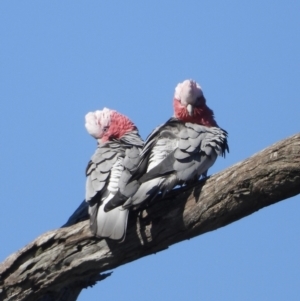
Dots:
pixel 153 137
pixel 160 167
pixel 180 154
pixel 98 170
pixel 130 163
pixel 161 159
pixel 126 186
pixel 158 145
pixel 186 152
pixel 198 149
pixel 133 144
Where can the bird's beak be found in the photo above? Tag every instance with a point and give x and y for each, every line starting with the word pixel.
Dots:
pixel 190 109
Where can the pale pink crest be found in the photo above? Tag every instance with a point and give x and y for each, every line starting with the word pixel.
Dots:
pixel 96 123
pixel 187 92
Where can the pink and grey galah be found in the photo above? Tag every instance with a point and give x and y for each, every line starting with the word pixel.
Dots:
pixel 116 156
pixel 177 152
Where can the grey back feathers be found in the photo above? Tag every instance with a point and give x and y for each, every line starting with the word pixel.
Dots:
pixel 110 166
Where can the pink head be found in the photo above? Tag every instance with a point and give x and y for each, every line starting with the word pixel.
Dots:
pixel 108 124
pixel 190 104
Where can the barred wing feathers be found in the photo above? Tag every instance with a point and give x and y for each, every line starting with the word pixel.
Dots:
pixel 177 153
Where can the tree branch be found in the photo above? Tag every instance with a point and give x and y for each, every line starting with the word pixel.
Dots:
pixel 59 263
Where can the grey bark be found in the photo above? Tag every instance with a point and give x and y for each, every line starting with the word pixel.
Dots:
pixel 59 263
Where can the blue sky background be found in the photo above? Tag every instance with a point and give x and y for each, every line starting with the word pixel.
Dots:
pixel 61 59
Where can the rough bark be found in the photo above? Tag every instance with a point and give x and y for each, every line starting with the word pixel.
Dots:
pixel 59 263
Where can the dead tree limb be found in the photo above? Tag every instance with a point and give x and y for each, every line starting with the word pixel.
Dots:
pixel 59 263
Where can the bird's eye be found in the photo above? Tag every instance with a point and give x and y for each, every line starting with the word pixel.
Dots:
pixel 105 129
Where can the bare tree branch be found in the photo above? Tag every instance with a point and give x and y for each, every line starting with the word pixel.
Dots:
pixel 59 263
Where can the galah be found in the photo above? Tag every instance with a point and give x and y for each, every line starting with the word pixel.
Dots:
pixel 179 151
pixel 116 156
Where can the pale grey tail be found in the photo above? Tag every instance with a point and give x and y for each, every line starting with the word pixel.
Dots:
pixel 110 224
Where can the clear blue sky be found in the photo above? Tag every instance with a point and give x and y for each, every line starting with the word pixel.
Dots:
pixel 61 59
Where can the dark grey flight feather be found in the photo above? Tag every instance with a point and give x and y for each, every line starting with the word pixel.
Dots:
pixel 79 215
